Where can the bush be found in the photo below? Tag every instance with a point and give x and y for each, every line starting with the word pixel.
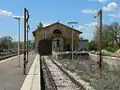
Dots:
pixel 112 49
pixel 92 45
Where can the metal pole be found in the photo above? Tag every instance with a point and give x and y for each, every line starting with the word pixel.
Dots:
pixel 27 42
pixel 18 19
pixel 24 68
pixel 100 43
pixel 72 38
pixel 99 15
pixel 98 27
pixel 19 41
pixel 72 42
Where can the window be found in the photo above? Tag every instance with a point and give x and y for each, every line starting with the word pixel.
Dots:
pixel 57 31
pixel 58 43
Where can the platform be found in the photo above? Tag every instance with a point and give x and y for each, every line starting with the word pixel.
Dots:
pixel 32 81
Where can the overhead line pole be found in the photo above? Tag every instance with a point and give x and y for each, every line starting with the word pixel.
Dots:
pixel 100 64
pixel 24 67
pixel 26 17
pixel 27 42
pixel 27 32
pixel 28 28
pixel 99 28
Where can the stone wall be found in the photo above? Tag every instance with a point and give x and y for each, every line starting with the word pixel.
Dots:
pixel 112 61
pixel 60 56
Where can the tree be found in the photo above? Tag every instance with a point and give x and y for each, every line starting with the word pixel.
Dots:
pixel 5 42
pixel 115 31
pixel 110 35
pixel 30 44
pixel 39 26
pixel 92 45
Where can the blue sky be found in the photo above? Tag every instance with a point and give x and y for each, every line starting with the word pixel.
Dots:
pixel 50 11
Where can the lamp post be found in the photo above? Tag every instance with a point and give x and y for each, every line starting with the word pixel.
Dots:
pixel 72 35
pixel 18 18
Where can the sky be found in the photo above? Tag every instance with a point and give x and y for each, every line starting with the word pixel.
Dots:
pixel 50 11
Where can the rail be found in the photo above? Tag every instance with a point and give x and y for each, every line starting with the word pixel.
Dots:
pixel 71 78
pixel 53 85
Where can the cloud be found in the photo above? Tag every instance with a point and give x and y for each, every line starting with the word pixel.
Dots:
pixel 5 13
pixel 114 15
pixel 44 25
pixel 102 1
pixel 111 7
pixel 91 24
pixel 89 11
pixel 89 30
pixel 90 34
pixel 81 28
pixel 85 26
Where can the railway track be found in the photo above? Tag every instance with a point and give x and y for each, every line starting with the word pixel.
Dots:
pixel 2 57
pixel 57 78
pixel 49 81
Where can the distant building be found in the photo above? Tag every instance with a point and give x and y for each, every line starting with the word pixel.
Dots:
pixel 61 36
pixel 83 44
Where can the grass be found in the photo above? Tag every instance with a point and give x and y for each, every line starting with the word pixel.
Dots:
pixel 110 78
pixel 86 80
pixel 112 49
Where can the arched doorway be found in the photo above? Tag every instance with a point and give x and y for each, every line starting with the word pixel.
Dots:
pixel 45 47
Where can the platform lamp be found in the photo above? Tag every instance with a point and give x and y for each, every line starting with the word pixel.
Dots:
pixel 72 23
pixel 18 18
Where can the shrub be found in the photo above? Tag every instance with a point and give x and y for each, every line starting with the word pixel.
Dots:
pixel 92 45
pixel 112 49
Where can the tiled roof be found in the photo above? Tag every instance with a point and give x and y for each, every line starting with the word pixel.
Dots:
pixel 59 24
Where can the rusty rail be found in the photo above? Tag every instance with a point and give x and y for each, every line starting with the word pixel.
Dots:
pixel 54 87
pixel 8 56
pixel 71 78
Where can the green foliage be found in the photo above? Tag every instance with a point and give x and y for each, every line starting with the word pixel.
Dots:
pixel 92 45
pixel 85 79
pixel 110 37
pixel 112 49
pixel 5 42
pixel 30 44
pixel 39 26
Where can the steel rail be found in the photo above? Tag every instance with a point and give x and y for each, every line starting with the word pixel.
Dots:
pixel 70 77
pixel 53 84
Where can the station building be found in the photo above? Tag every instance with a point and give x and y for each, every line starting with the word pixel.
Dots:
pixel 60 35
